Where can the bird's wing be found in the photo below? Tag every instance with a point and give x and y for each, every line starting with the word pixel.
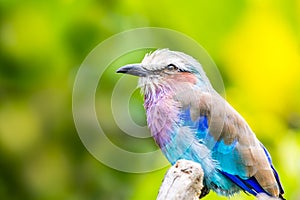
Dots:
pixel 240 155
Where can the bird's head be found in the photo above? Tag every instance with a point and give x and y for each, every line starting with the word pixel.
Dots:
pixel 166 68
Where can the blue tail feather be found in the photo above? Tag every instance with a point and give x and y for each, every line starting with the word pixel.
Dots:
pixel 250 185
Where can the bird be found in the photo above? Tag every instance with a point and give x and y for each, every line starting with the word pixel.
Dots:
pixel 189 120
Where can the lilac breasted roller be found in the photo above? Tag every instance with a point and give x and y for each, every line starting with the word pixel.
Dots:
pixel 189 120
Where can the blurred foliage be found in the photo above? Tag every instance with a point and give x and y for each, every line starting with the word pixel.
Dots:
pixel 256 45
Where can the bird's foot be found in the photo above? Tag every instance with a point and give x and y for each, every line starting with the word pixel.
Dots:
pixel 204 192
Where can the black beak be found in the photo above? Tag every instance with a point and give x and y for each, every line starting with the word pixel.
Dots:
pixel 134 69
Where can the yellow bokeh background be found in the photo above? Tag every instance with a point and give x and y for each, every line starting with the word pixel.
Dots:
pixel 255 44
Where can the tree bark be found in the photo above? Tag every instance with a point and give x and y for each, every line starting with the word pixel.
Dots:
pixel 184 180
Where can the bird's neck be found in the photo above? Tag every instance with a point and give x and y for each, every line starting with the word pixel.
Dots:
pixel 162 114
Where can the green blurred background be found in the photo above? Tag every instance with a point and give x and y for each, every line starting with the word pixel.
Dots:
pixel 255 44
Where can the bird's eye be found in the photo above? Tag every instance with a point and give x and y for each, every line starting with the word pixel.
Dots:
pixel 172 67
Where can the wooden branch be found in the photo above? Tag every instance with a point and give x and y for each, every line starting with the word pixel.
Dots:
pixel 182 181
